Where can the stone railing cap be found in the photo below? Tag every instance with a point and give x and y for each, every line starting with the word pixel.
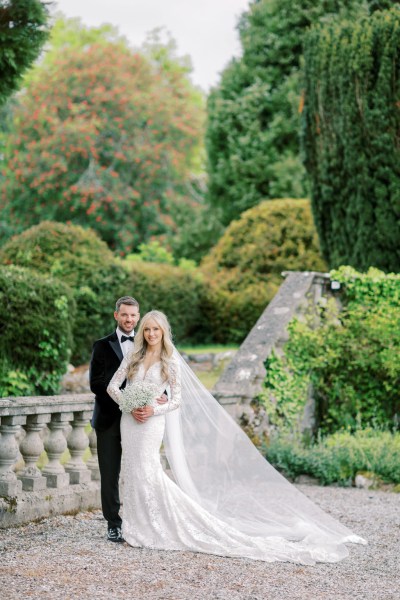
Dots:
pixel 45 404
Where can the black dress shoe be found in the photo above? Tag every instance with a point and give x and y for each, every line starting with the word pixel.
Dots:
pixel 114 534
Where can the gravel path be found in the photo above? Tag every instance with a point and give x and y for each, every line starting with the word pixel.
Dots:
pixel 67 557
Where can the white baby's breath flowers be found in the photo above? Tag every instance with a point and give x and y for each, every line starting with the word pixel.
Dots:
pixel 138 394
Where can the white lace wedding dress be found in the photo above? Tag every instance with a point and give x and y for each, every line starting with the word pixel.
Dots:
pixel 158 514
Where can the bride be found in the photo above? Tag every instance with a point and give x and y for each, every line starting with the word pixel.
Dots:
pixel 226 499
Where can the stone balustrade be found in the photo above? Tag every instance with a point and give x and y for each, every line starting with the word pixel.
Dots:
pixel 29 426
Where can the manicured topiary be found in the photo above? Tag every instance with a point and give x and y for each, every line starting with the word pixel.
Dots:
pixel 79 258
pixel 62 250
pixel 245 268
pixel 36 316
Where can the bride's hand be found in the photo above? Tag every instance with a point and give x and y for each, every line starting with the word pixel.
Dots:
pixel 142 414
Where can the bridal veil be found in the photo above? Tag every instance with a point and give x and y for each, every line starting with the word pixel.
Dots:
pixel 216 464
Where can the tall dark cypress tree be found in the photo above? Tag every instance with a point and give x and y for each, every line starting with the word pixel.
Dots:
pixel 352 139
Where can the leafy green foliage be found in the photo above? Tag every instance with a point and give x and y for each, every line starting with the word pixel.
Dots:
pixel 244 269
pixel 102 137
pixel 14 382
pixel 339 457
pixel 197 227
pixel 156 253
pixel 152 252
pixel 252 137
pixel 36 338
pixel 23 31
pixel 81 260
pixel 381 4
pixel 351 358
pixel 177 292
pixel 285 394
pixel 351 139
pixel 354 366
pixel 366 288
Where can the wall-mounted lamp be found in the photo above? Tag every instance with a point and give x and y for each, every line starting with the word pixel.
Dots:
pixel 335 286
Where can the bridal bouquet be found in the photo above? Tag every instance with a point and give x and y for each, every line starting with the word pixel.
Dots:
pixel 138 394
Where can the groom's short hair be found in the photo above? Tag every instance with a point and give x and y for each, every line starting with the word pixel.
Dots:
pixel 126 300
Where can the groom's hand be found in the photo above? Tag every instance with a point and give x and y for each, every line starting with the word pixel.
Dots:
pixel 142 414
pixel 162 399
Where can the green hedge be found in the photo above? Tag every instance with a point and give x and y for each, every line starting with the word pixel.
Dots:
pixel 36 316
pixel 79 258
pixel 244 269
pixel 177 292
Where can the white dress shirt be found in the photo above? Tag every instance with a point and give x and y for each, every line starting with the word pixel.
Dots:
pixel 127 345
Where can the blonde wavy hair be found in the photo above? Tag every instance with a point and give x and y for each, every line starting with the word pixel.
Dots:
pixel 140 344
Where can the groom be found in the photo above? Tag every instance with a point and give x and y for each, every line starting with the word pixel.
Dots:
pixel 107 355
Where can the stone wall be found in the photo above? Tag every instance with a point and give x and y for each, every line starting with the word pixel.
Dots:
pixel 242 379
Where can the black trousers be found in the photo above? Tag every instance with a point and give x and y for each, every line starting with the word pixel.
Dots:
pixel 109 452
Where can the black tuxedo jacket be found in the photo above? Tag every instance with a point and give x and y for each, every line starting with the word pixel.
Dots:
pixel 106 358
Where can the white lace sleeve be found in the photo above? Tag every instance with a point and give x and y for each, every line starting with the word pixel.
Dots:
pixel 117 380
pixel 174 381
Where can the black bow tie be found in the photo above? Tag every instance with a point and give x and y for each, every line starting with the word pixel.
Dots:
pixel 126 337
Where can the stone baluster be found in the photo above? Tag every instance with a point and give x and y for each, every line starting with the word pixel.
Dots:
pixel 93 462
pixel 55 446
pixel 31 448
pixel 78 441
pixel 9 484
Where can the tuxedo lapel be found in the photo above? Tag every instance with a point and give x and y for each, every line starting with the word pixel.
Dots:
pixel 114 343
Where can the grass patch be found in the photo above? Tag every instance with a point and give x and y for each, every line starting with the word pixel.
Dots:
pixel 210 378
pixel 207 348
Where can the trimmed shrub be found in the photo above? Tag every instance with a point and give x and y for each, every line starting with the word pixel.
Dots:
pixel 177 292
pixel 244 268
pixel 36 316
pixel 79 258
pixel 231 315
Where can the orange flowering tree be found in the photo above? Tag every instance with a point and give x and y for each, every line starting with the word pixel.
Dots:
pixel 101 137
